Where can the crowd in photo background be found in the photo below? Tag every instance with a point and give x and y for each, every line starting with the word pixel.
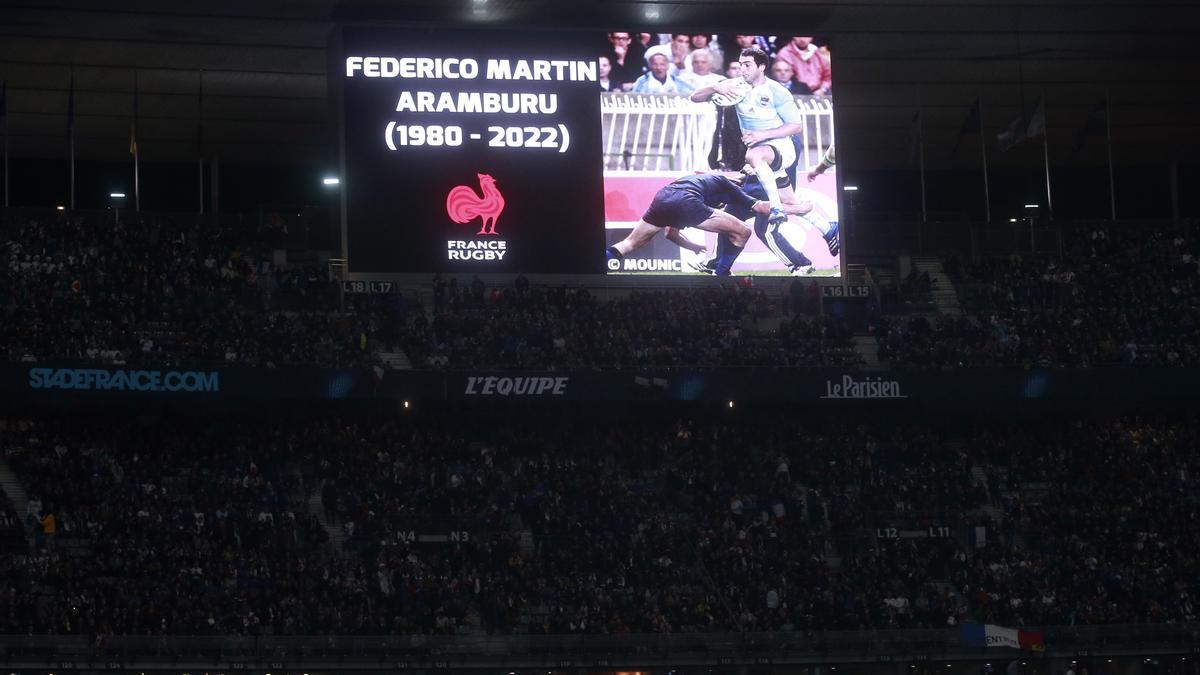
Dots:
pixel 587 522
pixel 679 63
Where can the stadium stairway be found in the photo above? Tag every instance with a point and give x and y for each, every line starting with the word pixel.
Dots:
pixel 13 488
pixel 944 294
pixel 867 348
pixel 395 360
pixel 337 536
pixel 883 275
pixel 526 543
pixel 979 477
pixel 425 301
pixel 994 512
pixel 949 590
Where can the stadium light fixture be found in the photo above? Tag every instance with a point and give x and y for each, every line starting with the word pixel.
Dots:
pixel 117 199
pixel 1012 220
pixel 850 188
pixel 330 180
pixel 60 208
pixel 480 10
pixel 1031 206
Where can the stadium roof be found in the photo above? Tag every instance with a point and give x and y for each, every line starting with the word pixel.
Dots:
pixel 264 68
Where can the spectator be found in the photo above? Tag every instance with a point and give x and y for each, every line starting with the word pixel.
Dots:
pixel 1076 312
pixel 477 289
pixel 646 328
pixel 746 42
pixel 702 41
pixel 604 69
pixel 626 57
pixel 49 528
pixel 154 291
pixel 676 52
pixel 644 527
pixel 811 66
pixel 700 71
pixel 782 72
pixel 660 80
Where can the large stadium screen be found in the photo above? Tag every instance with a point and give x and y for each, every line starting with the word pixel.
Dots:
pixel 586 153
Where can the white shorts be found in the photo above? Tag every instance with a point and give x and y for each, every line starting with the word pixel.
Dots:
pixel 785 153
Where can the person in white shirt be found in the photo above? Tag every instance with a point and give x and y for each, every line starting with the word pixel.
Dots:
pixel 701 41
pixel 701 73
pixel 660 80
pixel 676 51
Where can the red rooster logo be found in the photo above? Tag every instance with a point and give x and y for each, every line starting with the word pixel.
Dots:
pixel 463 205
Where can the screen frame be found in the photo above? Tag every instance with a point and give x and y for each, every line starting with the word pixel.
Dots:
pixel 336 87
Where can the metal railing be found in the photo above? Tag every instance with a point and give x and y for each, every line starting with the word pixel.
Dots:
pixel 234 222
pixel 884 234
pixel 714 648
pixel 664 132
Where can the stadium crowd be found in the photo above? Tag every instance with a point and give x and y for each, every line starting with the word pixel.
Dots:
pixel 644 517
pixel 80 288
pixel 83 287
pixel 597 524
pixel 678 63
pixel 558 328
pixel 1116 296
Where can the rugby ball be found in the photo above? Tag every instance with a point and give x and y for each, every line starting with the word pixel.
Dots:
pixel 740 88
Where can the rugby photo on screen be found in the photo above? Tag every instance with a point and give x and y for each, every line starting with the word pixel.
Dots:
pixel 755 111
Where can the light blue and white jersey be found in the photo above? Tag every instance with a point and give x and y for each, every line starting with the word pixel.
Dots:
pixel 767 106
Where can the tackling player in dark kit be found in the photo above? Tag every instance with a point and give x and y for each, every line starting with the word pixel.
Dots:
pixel 691 201
pixel 772 234
pixel 695 201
